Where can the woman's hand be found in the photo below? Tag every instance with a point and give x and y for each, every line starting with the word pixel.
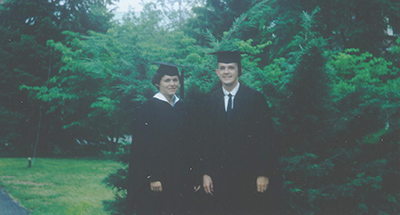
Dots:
pixel 262 184
pixel 156 186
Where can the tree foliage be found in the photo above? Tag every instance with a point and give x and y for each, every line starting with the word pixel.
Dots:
pixel 25 59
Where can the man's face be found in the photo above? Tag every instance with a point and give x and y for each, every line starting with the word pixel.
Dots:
pixel 228 73
pixel 169 85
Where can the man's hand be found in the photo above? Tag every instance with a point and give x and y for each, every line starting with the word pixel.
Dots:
pixel 262 183
pixel 156 186
pixel 208 184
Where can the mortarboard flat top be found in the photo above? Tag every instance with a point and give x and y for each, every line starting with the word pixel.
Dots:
pixel 166 68
pixel 228 56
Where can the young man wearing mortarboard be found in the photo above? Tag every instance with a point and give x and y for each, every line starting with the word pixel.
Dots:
pixel 158 170
pixel 238 157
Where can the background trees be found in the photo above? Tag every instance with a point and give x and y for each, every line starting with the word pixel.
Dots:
pixel 329 70
pixel 26 60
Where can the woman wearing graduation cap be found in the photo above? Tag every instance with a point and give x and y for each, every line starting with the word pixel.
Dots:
pixel 158 168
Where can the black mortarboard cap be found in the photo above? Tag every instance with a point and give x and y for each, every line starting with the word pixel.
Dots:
pixel 168 68
pixel 228 56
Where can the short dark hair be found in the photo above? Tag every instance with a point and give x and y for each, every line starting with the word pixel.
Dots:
pixel 157 79
pixel 239 65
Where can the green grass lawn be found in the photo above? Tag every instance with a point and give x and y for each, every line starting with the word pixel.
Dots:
pixel 58 186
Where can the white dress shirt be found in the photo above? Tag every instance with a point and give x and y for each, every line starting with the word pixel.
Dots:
pixel 233 93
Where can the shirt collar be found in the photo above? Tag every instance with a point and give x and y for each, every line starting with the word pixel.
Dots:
pixel 233 92
pixel 161 97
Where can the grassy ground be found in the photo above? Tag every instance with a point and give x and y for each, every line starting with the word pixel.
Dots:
pixel 58 186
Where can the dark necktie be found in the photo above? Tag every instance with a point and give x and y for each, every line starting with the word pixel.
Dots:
pixel 229 108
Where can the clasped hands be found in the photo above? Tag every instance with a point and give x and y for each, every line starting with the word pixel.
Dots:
pixel 262 184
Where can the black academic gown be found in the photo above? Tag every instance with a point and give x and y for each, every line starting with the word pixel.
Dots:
pixel 236 151
pixel 158 153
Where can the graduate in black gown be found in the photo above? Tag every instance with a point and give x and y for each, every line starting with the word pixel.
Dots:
pixel 158 171
pixel 238 156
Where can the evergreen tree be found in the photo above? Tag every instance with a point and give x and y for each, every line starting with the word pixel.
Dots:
pixel 216 16
pixel 345 24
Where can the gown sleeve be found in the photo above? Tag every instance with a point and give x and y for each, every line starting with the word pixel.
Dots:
pixel 208 153
pixel 148 133
pixel 267 153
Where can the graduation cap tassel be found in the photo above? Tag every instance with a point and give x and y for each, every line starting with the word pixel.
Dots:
pixel 182 92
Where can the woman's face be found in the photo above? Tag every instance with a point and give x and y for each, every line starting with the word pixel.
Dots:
pixel 169 85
